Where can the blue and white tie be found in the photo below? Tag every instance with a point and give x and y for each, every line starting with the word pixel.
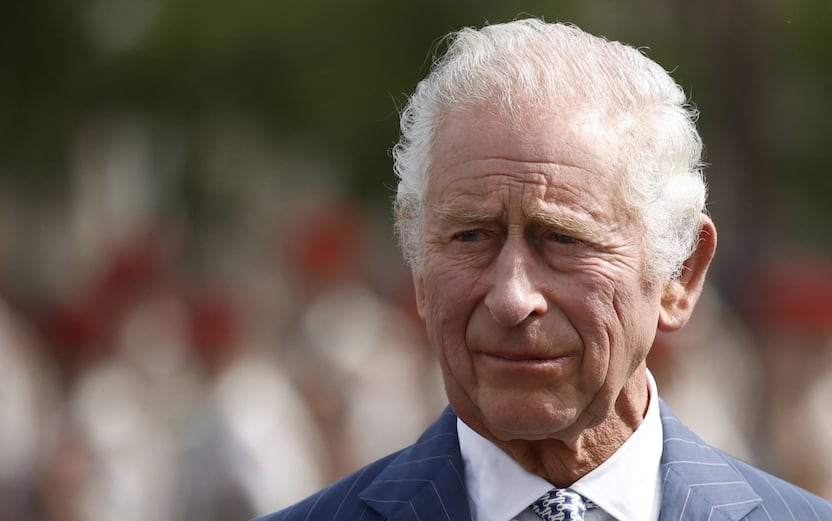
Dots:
pixel 560 504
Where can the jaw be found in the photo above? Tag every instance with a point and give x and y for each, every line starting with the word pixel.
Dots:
pixel 584 438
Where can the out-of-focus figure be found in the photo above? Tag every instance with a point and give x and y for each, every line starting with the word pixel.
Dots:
pixel 790 308
pixel 252 444
pixel 27 399
pixel 710 373
pixel 117 449
pixel 361 360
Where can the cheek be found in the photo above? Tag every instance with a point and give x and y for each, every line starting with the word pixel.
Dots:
pixel 449 304
pixel 626 326
pixel 590 316
pixel 449 300
pixel 614 322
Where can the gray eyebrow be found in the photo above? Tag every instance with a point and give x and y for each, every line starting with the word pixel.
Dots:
pixel 463 214
pixel 573 225
pixel 584 227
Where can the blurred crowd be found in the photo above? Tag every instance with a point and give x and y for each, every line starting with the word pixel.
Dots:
pixel 154 369
pixel 144 394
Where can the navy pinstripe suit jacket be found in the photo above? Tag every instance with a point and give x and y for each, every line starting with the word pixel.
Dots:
pixel 424 482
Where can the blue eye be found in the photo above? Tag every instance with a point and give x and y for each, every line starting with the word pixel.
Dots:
pixel 562 239
pixel 470 236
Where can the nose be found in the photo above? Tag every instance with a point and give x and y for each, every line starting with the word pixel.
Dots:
pixel 514 295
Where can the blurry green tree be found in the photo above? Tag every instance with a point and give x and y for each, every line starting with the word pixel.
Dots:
pixel 332 74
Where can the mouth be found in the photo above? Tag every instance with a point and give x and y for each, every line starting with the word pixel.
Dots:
pixel 518 357
pixel 522 361
pixel 523 369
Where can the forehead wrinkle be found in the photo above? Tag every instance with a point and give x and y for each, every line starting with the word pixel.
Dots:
pixel 539 166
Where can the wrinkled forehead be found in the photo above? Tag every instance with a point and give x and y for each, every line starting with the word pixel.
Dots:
pixel 585 135
pixel 581 139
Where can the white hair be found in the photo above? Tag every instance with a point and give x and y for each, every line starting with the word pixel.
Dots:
pixel 532 64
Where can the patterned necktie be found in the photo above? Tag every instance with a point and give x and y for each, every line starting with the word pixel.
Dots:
pixel 560 504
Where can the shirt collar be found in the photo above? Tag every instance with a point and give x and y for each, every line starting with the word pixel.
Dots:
pixel 627 486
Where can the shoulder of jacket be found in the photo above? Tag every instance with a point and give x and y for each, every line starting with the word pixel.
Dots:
pixel 336 501
pixel 781 496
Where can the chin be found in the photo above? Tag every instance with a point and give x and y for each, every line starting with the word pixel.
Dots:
pixel 509 418
pixel 520 427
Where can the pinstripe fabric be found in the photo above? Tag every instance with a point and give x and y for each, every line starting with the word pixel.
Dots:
pixel 703 483
pixel 424 482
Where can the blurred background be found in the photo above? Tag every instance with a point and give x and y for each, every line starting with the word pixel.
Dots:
pixel 204 314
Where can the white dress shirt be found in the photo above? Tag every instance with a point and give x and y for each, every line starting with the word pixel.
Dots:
pixel 626 487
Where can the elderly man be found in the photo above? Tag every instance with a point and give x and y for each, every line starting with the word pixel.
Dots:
pixel 551 207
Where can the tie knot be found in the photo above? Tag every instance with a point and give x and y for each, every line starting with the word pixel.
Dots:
pixel 560 504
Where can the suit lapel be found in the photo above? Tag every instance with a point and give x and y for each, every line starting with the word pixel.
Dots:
pixel 698 481
pixel 425 482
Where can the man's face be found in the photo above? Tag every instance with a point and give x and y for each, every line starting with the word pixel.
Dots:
pixel 532 286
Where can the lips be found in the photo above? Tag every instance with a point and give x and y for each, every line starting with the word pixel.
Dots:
pixel 531 346
pixel 520 348
pixel 513 372
pixel 518 357
pixel 500 360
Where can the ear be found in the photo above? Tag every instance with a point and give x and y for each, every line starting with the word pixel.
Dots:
pixel 419 287
pixel 680 294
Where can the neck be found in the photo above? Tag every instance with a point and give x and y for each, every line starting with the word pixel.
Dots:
pixel 563 462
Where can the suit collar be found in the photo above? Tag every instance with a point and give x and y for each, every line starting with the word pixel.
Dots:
pixel 698 481
pixel 425 481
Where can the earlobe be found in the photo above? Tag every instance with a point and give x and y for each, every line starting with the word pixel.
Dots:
pixel 680 295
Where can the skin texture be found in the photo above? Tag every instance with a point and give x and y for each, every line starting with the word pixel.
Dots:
pixel 532 288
